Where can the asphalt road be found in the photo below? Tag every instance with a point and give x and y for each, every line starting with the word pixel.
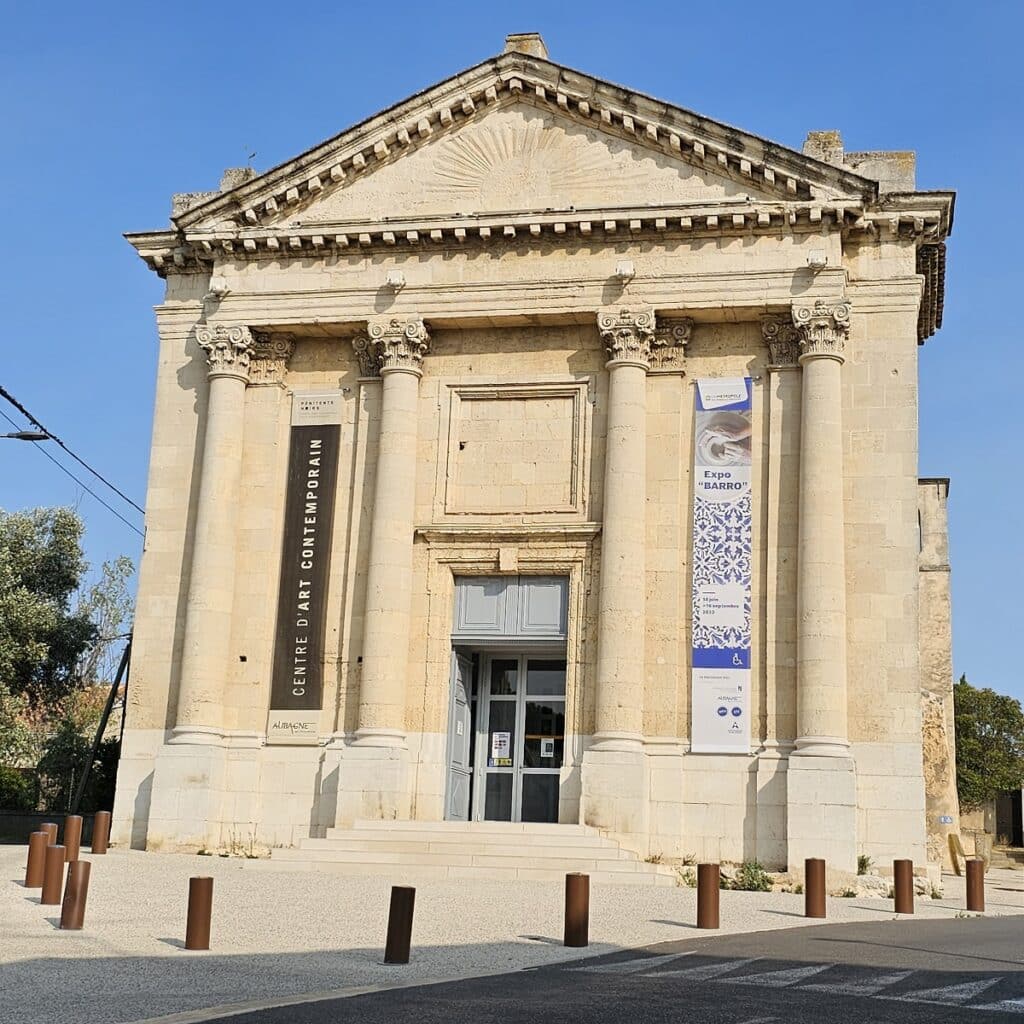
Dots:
pixel 893 971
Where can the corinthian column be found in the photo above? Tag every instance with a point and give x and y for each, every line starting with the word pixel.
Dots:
pixel 614 794
pixel 204 661
pixel 821 584
pixel 397 347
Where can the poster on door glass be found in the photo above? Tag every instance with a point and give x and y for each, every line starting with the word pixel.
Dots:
pixel 501 750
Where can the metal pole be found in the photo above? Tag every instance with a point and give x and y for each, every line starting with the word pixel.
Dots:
pixel 709 881
pixel 72 837
pixel 976 884
pixel 396 949
pixel 814 887
pixel 200 910
pixel 577 910
pixel 100 831
pixel 50 828
pixel 72 912
pixel 903 886
pixel 76 800
pixel 37 844
pixel 53 876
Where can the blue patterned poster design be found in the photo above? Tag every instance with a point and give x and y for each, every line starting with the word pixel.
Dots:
pixel 720 657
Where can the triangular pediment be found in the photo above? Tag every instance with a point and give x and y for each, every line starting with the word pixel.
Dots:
pixel 517 158
pixel 521 134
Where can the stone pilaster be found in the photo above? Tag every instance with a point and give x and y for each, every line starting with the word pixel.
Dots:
pixel 614 772
pixel 821 779
pixel 375 773
pixel 204 662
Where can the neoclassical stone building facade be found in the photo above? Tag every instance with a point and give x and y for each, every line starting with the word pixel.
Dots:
pixel 539 451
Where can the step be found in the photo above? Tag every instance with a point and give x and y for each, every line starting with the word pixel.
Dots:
pixel 569 862
pixel 465 845
pixel 400 873
pixel 453 839
pixel 476 827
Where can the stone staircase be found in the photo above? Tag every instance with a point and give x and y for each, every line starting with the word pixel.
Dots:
pixel 1007 857
pixel 501 851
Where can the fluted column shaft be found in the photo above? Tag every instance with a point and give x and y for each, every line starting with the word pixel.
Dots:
pixel 205 651
pixel 397 347
pixel 627 336
pixel 821 593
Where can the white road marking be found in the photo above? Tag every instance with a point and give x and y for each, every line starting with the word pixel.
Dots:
pixel 633 966
pixel 758 1020
pixel 868 987
pixel 951 995
pixel 703 972
pixel 1005 1005
pixel 778 979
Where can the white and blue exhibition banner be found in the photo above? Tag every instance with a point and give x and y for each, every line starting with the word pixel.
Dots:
pixel 720 655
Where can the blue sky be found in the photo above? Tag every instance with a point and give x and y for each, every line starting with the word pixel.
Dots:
pixel 111 107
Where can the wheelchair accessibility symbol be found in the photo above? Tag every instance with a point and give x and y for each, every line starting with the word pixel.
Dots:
pixel 737 660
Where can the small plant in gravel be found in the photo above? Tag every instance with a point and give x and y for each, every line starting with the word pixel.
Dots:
pixel 688 877
pixel 936 893
pixel 864 864
pixel 653 858
pixel 848 893
pixel 203 852
pixel 751 877
pixel 689 859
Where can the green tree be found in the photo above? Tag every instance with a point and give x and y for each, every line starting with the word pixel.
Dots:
pixel 42 639
pixel 989 743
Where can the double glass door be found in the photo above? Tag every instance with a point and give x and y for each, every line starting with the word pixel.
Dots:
pixel 522 742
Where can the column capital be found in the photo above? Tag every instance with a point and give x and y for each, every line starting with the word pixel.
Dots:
pixel 627 334
pixel 783 341
pixel 823 326
pixel 393 344
pixel 227 348
pixel 668 346
pixel 269 358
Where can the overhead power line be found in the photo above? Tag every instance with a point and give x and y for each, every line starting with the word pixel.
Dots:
pixel 82 484
pixel 53 437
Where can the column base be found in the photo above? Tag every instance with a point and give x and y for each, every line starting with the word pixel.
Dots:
pixel 373 783
pixel 821 812
pixel 616 788
pixel 823 746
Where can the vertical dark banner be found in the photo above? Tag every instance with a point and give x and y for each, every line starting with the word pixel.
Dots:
pixel 297 682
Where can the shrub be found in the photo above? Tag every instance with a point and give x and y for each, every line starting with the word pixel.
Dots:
pixel 751 877
pixel 864 864
pixel 16 790
pixel 688 877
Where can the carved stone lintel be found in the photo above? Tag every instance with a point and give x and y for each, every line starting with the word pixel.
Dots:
pixel 227 348
pixel 783 341
pixel 627 334
pixel 269 359
pixel 395 344
pixel 823 329
pixel 668 346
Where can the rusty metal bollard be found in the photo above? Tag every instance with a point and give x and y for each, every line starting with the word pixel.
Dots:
pixel 37 844
pixel 50 828
pixel 814 887
pixel 72 911
pixel 577 910
pixel 100 832
pixel 403 900
pixel 72 837
pixel 709 881
pixel 200 910
pixel 903 886
pixel 53 876
pixel 976 884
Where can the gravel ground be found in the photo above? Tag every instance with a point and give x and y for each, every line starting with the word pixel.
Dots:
pixel 277 935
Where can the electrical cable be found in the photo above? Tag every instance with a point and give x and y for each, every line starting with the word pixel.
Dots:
pixel 84 486
pixel 53 437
